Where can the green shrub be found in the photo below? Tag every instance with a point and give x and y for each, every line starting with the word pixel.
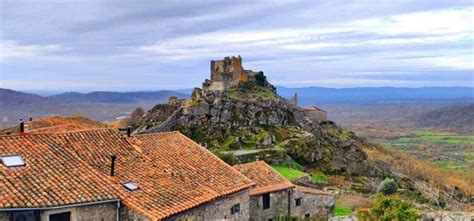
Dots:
pixel 388 209
pixel 318 177
pixel 291 163
pixel 388 186
pixel 342 211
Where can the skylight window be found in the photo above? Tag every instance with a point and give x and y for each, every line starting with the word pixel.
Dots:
pixel 13 161
pixel 130 186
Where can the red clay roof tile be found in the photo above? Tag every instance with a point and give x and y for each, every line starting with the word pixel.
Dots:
pixel 173 172
pixel 267 179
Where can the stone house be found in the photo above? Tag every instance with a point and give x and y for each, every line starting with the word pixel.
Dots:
pixel 275 196
pixel 315 113
pixel 309 202
pixel 104 175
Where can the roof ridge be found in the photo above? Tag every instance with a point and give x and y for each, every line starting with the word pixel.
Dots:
pixel 155 133
pixel 58 133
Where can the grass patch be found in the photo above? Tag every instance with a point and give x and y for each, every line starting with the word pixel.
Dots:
pixel 191 103
pixel 289 173
pixel 342 211
pixel 318 177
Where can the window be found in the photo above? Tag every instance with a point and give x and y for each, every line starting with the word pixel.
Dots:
pixel 25 216
pixel 13 161
pixel 266 200
pixel 298 202
pixel 60 217
pixel 130 186
pixel 307 215
pixel 235 209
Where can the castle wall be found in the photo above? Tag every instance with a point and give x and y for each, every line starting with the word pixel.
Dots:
pixel 216 68
pixel 227 73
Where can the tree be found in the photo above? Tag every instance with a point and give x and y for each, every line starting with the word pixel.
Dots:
pixel 136 116
pixel 388 209
pixel 388 186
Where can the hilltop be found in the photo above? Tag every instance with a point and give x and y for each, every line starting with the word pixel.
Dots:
pixel 239 110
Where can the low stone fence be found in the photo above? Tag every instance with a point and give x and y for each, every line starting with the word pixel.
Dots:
pixel 271 156
pixel 343 218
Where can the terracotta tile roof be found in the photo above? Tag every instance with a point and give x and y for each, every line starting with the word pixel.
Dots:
pixel 50 177
pixel 173 173
pixel 184 170
pixel 311 190
pixel 313 108
pixel 267 179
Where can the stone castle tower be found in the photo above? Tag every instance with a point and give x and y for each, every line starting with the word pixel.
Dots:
pixel 226 74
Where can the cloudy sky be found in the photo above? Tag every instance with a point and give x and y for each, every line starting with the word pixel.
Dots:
pixel 150 45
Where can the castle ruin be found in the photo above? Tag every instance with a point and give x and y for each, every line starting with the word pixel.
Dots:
pixel 225 74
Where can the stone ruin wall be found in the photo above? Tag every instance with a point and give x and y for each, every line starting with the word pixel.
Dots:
pixel 226 73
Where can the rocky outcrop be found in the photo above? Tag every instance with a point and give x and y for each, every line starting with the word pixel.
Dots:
pixel 253 116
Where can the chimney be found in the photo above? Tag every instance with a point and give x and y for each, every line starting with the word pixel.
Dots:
pixel 22 126
pixel 129 131
pixel 112 168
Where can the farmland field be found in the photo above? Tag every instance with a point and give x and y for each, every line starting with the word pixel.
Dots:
pixel 445 149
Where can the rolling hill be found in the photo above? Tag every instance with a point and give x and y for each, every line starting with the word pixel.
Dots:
pixel 460 117
pixel 102 106
pixel 117 97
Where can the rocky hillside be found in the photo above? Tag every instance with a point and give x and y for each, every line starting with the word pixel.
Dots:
pixel 253 116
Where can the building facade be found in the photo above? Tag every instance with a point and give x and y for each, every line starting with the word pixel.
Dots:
pixel 107 211
pixel 274 196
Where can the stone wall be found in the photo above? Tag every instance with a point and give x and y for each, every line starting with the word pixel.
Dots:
pixel 312 204
pixel 219 209
pixel 278 206
pixel 101 212
pixel 4 216
pixel 315 115
pixel 226 73
pixel 126 214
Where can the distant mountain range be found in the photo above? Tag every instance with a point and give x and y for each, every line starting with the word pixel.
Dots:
pixel 117 97
pixel 372 95
pixel 96 105
pixel 109 105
